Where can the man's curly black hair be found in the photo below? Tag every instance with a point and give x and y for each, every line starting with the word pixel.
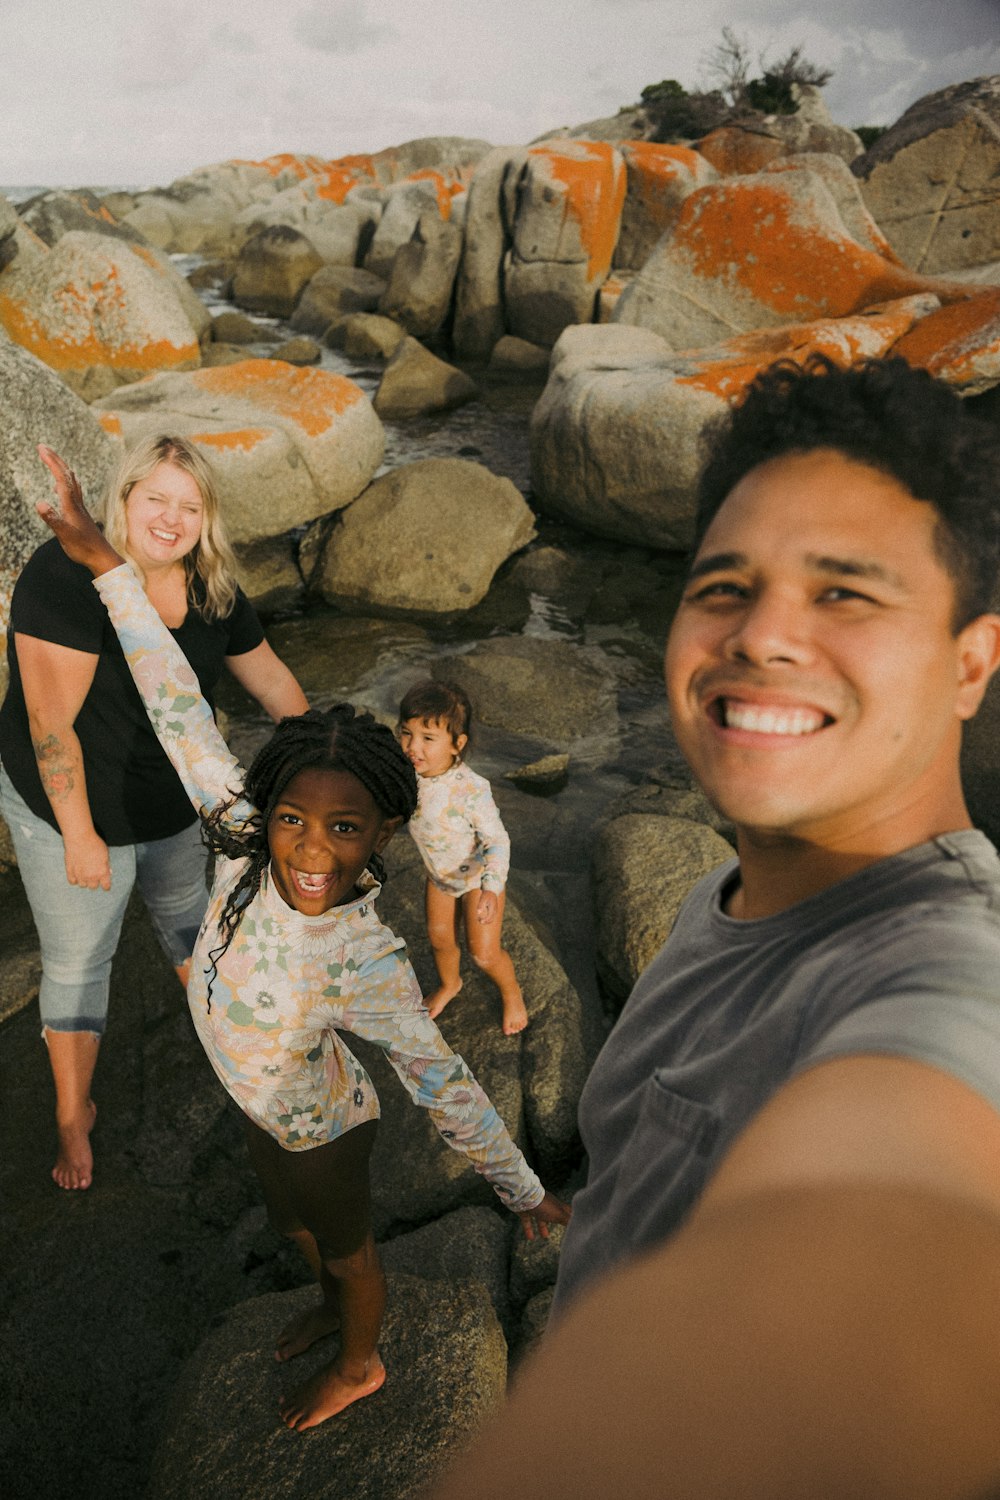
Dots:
pixel 898 420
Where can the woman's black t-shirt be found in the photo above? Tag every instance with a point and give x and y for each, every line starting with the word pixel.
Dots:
pixel 133 790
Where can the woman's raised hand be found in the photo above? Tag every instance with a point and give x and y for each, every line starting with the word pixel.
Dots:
pixel 78 534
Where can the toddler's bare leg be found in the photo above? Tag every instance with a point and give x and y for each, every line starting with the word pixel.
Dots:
pixel 73 1057
pixel 442 930
pixel 484 946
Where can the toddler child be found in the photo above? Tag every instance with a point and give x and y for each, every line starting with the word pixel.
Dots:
pixel 463 843
pixel 291 953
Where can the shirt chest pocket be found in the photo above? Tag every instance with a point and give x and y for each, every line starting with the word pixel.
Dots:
pixel 665 1164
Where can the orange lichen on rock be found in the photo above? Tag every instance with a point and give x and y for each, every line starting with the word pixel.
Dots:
pixel 593 176
pixel 446 187
pixel 658 174
pixel 959 343
pixel 734 152
pixel 751 234
pixel 111 423
pixel 79 343
pixel 313 399
pixel 236 439
pixel 726 369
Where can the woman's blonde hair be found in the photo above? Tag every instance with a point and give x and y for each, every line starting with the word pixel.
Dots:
pixel 211 559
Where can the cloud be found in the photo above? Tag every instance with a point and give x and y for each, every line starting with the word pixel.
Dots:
pixel 230 38
pixel 338 26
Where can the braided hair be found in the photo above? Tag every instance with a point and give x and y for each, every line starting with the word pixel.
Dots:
pixel 338 739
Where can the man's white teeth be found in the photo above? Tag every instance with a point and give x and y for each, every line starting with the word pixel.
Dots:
pixel 770 720
pixel 311 882
pixel 165 536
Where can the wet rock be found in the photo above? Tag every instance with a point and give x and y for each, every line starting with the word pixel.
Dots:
pixel 755 252
pixel 546 775
pixel 568 202
pixel 516 360
pixel 659 178
pixel 235 328
pixel 272 270
pixel 644 867
pixel 366 336
pixel 404 545
pixel 224 1436
pixel 269 575
pixel 931 180
pixel 418 293
pixel 98 313
pixel 470 1242
pixel 287 445
pixel 416 382
pixel 39 406
pixel 222 354
pixel 545 689
pixel 301 351
pixel 333 293
pixel 479 306
pixel 534 1321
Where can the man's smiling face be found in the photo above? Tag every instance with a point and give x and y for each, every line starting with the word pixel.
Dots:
pixel 816 684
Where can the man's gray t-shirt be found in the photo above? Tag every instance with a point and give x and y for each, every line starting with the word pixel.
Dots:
pixel 902 958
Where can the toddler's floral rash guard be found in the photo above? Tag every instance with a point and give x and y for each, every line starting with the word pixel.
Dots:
pixel 287 982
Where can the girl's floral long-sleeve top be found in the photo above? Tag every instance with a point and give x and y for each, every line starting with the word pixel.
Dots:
pixel 288 983
pixel 458 831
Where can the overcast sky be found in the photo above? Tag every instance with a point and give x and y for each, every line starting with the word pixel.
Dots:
pixel 141 91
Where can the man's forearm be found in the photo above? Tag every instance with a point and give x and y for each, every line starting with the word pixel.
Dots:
pixel 821 1342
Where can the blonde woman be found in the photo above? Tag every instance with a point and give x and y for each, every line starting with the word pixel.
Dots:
pixel 92 803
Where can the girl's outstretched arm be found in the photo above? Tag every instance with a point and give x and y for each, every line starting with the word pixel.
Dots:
pixel 180 716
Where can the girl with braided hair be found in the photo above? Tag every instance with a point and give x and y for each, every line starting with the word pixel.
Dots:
pixel 291 953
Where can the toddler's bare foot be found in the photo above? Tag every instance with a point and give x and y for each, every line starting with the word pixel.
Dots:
pixel 515 1016
pixel 328 1392
pixel 303 1331
pixel 74 1166
pixel 441 997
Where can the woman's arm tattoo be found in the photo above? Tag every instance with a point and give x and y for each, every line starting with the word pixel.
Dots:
pixel 56 767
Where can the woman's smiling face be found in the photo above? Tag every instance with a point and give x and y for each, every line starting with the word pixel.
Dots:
pixel 163 517
pixel 324 829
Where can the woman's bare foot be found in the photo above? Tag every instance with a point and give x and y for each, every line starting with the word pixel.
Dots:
pixel 74 1166
pixel 328 1392
pixel 515 1016
pixel 441 997
pixel 317 1322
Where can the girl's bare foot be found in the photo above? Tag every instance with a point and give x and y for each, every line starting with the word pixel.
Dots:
pixel 515 1016
pixel 317 1322
pixel 328 1392
pixel 441 997
pixel 74 1166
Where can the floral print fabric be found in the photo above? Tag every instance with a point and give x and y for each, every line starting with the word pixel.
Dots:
pixel 458 831
pixel 288 982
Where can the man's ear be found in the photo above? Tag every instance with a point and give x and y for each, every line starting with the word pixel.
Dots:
pixel 460 743
pixel 978 659
pixel 389 827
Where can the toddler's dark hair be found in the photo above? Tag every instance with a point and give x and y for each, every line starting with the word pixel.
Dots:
pixel 338 739
pixel 438 703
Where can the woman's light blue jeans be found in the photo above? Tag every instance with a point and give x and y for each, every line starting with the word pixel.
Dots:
pixel 78 929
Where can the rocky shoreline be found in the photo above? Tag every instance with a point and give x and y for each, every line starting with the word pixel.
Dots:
pixel 621 291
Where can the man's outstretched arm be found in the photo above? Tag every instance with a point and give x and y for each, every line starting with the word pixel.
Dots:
pixel 827 1324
